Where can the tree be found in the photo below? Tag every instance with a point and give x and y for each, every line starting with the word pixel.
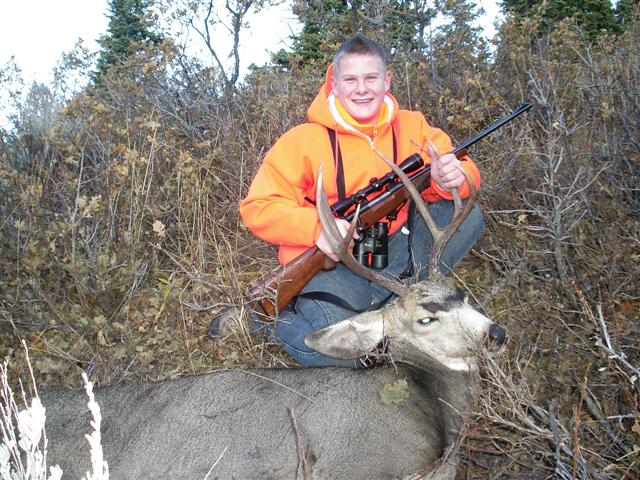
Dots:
pixel 591 15
pixel 624 11
pixel 236 11
pixel 595 16
pixel 11 86
pixel 398 26
pixel 459 41
pixel 213 20
pixel 322 23
pixel 35 114
pixel 128 33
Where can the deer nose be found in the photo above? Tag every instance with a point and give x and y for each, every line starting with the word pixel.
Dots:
pixel 497 334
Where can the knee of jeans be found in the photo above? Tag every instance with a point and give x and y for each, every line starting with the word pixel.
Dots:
pixel 259 328
pixel 294 325
pixel 308 316
pixel 474 223
pixel 463 240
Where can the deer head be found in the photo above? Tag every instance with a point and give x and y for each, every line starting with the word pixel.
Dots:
pixel 430 324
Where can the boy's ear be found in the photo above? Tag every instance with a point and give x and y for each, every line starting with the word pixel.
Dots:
pixel 350 338
pixel 332 74
pixel 387 81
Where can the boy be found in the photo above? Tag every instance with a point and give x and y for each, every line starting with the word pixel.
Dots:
pixel 351 120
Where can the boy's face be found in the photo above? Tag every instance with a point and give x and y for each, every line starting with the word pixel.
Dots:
pixel 360 83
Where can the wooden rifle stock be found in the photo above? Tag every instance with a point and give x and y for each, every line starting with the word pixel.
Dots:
pixel 273 293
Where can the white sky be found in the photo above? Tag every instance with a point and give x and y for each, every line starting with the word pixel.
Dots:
pixel 37 32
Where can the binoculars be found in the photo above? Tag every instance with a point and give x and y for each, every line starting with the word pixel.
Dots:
pixel 371 250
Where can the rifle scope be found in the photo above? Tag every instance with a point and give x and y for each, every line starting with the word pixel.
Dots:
pixel 409 165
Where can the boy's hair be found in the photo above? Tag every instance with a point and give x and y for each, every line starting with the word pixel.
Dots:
pixel 359 45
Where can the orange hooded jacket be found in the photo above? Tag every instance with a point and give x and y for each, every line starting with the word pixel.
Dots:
pixel 277 208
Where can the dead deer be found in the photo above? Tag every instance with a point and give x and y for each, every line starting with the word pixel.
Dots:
pixel 313 423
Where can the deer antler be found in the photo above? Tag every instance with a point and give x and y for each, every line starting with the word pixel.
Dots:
pixel 340 245
pixel 440 236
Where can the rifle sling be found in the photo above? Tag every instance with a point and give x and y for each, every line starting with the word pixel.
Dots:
pixel 337 159
pixel 338 301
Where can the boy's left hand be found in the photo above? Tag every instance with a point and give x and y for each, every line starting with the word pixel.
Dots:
pixel 445 170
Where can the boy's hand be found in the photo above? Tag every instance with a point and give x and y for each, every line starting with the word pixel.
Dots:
pixel 323 244
pixel 445 170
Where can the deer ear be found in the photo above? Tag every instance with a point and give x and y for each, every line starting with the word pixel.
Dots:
pixel 350 338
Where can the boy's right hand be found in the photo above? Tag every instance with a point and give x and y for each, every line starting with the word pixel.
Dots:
pixel 323 243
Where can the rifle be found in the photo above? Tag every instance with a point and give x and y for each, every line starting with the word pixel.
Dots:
pixel 272 293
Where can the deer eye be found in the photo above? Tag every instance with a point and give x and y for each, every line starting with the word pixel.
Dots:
pixel 427 320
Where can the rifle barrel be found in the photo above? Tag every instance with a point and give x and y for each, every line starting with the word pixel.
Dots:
pixel 366 205
pixel 523 107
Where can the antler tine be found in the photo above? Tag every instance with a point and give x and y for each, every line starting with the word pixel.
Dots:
pixel 440 236
pixel 459 215
pixel 337 242
pixel 413 192
pixel 340 245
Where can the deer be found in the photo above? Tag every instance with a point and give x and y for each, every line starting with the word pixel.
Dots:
pixel 307 423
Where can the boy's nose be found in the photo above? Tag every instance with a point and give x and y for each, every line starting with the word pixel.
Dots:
pixel 361 86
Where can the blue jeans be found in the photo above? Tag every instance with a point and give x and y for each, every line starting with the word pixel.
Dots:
pixel 307 315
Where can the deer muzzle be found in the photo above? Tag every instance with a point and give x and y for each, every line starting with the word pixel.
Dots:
pixel 497 335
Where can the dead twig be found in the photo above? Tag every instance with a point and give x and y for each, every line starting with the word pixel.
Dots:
pixel 303 472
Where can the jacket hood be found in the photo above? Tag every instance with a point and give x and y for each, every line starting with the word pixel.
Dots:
pixel 323 109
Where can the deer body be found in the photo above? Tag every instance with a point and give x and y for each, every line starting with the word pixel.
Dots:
pixel 239 421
